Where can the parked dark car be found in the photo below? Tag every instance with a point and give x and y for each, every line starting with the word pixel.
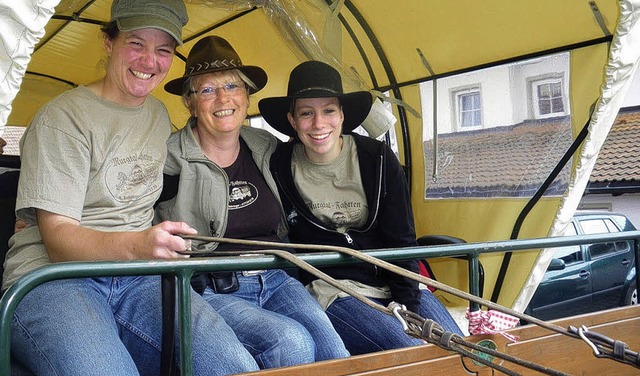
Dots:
pixel 588 278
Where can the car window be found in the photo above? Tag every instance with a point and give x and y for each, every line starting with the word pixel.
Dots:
pixel 600 226
pixel 594 226
pixel 611 225
pixel 622 246
pixel 573 256
pixel 572 253
pixel 601 249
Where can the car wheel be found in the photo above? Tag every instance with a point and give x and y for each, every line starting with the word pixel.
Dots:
pixel 632 295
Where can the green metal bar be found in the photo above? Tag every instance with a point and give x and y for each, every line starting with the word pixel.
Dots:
pixel 184 314
pixel 474 280
pixel 183 269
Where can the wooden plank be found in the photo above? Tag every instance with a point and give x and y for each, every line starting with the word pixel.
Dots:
pixel 589 319
pixel 535 344
pixel 570 355
pixel 362 363
pixel 576 357
pixel 448 365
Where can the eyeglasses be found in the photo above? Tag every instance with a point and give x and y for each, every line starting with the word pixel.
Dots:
pixel 210 92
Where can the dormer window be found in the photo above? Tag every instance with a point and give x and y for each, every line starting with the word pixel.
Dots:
pixel 548 99
pixel 469 109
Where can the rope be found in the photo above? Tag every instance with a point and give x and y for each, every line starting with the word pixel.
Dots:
pixel 382 264
pixel 432 332
pixel 607 348
pixel 413 324
pixel 437 337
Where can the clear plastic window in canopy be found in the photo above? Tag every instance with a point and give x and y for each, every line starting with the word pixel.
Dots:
pixel 499 131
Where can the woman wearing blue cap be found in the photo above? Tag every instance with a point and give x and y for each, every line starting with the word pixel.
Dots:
pixel 92 162
pixel 340 188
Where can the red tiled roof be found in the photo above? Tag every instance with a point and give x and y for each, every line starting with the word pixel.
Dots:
pixel 515 160
pixel 619 158
pixel 500 161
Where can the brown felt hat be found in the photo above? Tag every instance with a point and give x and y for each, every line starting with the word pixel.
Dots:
pixel 214 54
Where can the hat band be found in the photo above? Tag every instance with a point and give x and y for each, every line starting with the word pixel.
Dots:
pixel 231 63
pixel 317 88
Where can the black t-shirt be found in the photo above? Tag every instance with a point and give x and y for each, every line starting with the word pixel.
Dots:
pixel 254 212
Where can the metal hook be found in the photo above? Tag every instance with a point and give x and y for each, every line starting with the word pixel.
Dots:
pixel 396 312
pixel 581 332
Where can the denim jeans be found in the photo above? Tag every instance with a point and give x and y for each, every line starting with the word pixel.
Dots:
pixel 112 326
pixel 364 329
pixel 277 320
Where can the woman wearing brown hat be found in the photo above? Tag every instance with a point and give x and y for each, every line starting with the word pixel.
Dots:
pixel 340 188
pixel 225 189
pixel 92 162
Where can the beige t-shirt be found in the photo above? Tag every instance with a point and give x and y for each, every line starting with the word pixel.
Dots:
pixel 91 160
pixel 326 294
pixel 332 191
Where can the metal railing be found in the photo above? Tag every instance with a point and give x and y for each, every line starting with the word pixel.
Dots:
pixel 184 269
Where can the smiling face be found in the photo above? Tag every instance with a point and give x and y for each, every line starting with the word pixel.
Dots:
pixel 220 102
pixel 318 123
pixel 138 62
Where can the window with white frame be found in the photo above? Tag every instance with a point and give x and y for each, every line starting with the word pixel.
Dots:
pixel 548 98
pixel 475 121
pixel 468 109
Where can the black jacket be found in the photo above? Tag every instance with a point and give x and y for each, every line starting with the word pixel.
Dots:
pixel 389 225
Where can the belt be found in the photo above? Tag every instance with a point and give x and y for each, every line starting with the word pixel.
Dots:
pixel 249 273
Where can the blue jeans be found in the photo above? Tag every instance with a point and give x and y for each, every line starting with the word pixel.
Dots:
pixel 277 320
pixel 113 326
pixel 364 329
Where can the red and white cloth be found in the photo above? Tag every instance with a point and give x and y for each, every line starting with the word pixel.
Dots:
pixel 491 322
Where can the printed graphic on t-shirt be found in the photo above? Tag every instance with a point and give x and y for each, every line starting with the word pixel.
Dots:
pixel 241 194
pixel 342 214
pixel 132 177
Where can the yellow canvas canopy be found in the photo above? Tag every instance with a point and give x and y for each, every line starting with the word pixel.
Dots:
pixel 414 55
